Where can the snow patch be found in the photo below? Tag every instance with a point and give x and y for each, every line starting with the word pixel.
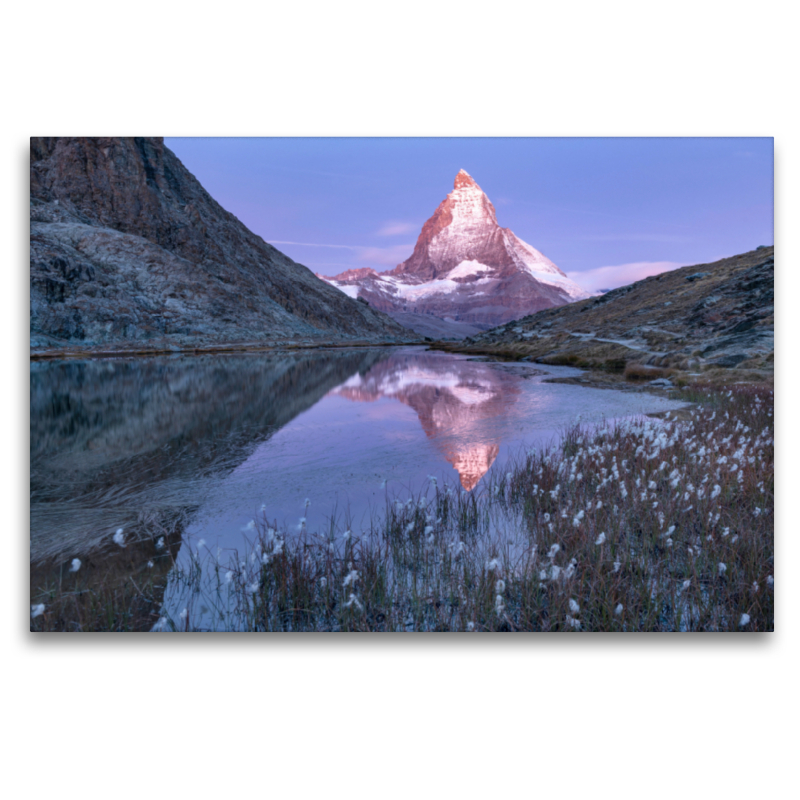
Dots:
pixel 467 268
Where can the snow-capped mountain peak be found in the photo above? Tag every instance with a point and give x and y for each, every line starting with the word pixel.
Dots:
pixel 466 267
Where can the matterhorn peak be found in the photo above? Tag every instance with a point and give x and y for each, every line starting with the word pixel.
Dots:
pixel 464 179
pixel 466 268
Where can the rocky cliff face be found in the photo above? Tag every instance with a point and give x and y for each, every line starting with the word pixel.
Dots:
pixel 465 268
pixel 127 247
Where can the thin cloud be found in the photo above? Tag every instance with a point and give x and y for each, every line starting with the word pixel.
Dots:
pixel 396 227
pixel 373 256
pixel 620 274
pixel 315 244
pixel 389 256
pixel 635 237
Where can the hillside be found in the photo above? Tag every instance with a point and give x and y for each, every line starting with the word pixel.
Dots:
pixel 696 320
pixel 128 249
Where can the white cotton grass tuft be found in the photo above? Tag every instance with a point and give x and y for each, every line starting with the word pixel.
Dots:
pixel 500 586
pixel 470 626
pixel 75 565
pixel 770 581
pixel 351 578
pixel 354 601
pixel 37 610
pixel 551 553
pixel 573 606
pixel 617 565
pixel 150 564
pixel 499 606
pixel 600 539
pixel 619 609
pixel 493 565
pixel 160 544
pixel 722 568
pixel 573 623
pixel 744 620
pixel 119 538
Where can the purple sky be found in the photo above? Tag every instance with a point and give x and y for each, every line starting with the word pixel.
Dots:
pixel 606 211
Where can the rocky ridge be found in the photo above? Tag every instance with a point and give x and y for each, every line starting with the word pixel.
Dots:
pixel 696 319
pixel 465 268
pixel 128 249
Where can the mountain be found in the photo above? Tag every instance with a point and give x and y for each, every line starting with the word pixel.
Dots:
pixel 704 320
pixel 128 249
pixel 465 268
pixel 453 408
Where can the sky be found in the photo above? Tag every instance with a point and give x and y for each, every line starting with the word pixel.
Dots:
pixel 607 211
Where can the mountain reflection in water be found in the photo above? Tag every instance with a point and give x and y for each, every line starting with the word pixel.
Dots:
pixel 453 400
pixel 113 439
pixel 221 440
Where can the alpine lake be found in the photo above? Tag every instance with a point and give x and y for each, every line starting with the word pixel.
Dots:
pixel 193 457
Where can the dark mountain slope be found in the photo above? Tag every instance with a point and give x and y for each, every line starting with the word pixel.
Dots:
pixel 127 247
pixel 698 318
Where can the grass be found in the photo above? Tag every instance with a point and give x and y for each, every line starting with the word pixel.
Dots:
pixel 651 525
pixel 643 372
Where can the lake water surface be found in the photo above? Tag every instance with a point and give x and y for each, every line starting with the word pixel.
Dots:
pixel 223 440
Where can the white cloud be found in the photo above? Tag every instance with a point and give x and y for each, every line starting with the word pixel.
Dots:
pixel 620 274
pixel 396 227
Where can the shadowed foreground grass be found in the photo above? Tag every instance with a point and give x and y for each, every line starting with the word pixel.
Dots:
pixel 650 525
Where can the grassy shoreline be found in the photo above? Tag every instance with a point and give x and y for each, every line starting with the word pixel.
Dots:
pixel 651 525
pixel 222 349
